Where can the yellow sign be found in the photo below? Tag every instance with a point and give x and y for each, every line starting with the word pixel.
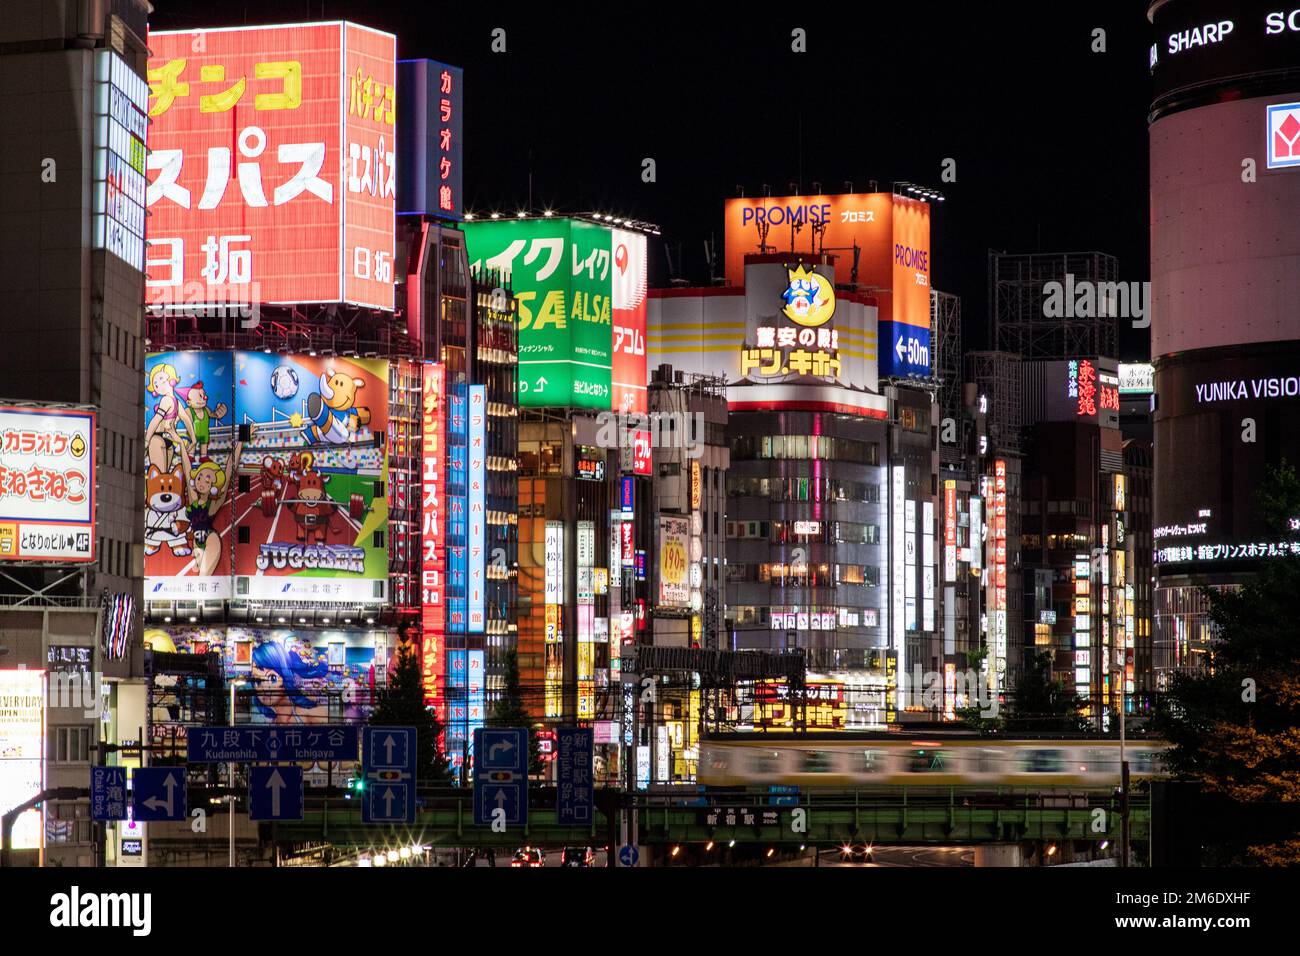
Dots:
pixel 809 299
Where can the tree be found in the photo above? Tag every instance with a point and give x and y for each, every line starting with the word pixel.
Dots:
pixel 987 721
pixel 1235 724
pixel 509 710
pixel 402 705
pixel 1042 704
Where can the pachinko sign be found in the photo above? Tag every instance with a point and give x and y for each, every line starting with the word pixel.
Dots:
pixel 47 484
pixel 272 166
pixel 292 510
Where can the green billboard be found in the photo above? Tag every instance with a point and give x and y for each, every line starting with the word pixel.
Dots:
pixel 560 271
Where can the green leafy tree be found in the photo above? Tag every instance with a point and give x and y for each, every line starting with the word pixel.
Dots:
pixel 1235 723
pixel 509 710
pixel 986 722
pixel 1044 705
pixel 401 704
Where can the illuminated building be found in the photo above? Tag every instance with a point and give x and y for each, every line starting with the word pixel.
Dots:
pixel 996 453
pixel 1074 524
pixel 832 508
pixel 465 320
pixel 73 102
pixel 1225 333
pixel 687 494
pixel 300 382
pixel 581 391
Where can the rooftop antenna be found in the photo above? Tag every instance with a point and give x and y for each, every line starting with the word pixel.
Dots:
pixel 848 185
pixel 711 256
pixel 818 236
pixel 740 191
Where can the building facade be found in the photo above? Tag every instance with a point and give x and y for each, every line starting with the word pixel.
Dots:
pixel 1225 337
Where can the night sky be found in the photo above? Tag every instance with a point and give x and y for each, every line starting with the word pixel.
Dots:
pixel 1049 138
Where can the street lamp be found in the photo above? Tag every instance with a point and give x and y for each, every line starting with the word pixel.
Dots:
pixel 1118 672
pixel 230 797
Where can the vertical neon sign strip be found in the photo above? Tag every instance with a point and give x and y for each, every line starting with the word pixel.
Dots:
pixel 477 505
pixel 897 565
pixel 457 506
pixel 433 593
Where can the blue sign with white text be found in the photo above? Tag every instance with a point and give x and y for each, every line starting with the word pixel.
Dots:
pixel 574 786
pixel 248 744
pixel 108 793
pixel 904 350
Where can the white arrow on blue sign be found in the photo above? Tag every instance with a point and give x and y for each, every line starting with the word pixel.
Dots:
pixel 158 793
pixel 275 793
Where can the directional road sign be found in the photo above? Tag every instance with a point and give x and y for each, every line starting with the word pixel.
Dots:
pixel 108 793
pixel 158 793
pixel 575 793
pixel 501 775
pixel 628 855
pixel 388 766
pixel 249 744
pixel 275 793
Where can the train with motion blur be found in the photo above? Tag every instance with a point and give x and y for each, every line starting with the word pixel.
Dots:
pixel 926 759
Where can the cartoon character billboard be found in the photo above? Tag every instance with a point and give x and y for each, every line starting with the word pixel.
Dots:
pixel 294 511
pixel 881 242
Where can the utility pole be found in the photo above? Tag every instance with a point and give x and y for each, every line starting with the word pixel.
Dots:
pixel 1123 777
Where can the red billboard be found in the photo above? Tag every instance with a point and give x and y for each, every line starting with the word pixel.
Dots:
pixel 628 348
pixel 272 166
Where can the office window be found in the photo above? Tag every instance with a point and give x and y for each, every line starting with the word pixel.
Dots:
pixel 69 744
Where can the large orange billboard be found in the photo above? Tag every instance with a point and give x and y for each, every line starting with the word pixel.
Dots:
pixel 890 234
pixel 272 166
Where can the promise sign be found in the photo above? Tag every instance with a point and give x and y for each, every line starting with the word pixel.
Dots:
pixel 272 166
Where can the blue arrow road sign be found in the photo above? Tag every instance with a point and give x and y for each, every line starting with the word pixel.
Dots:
pixel 249 744
pixel 501 748
pixel 628 855
pixel 275 793
pixel 108 793
pixel 389 803
pixel 158 793
pixel 388 766
pixel 501 775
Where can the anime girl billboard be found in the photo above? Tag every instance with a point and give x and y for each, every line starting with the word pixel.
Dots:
pixel 303 524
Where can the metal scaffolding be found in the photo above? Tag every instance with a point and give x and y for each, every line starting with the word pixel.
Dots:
pixel 997 379
pixel 1018 320
pixel 945 334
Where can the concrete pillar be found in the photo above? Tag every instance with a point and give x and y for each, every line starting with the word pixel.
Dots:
pixel 999 854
